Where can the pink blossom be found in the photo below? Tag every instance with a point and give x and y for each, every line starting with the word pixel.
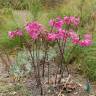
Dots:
pixel 85 42
pixel 72 34
pixel 62 34
pixel 52 36
pixel 67 20
pixel 57 24
pixel 72 18
pixel 33 26
pixel 11 34
pixel 88 36
pixel 34 35
pixel 51 22
pixel 34 29
pixel 76 22
pixel 74 37
pixel 18 33
pixel 75 40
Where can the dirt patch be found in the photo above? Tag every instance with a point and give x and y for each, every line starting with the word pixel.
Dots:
pixel 74 87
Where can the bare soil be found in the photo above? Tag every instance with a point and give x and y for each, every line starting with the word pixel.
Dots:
pixel 50 88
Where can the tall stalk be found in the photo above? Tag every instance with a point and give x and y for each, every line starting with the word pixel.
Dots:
pixel 45 57
pixel 27 46
pixel 38 66
pixel 62 53
pixel 37 61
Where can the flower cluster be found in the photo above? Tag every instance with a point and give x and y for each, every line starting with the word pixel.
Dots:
pixel 13 34
pixel 72 20
pixel 52 36
pixel 34 29
pixel 59 22
pixel 74 37
pixel 63 34
pixel 87 40
pixel 60 35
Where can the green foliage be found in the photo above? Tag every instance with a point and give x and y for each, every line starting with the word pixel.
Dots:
pixel 9 89
pixel 23 4
pixel 4 3
pixel 34 7
pixel 89 64
pixel 8 22
pixel 17 4
pixel 22 65
pixel 52 4
pixel 22 90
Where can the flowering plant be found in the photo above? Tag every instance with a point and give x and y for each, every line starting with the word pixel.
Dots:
pixel 62 31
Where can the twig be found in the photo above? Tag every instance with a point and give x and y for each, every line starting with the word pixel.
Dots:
pixel 64 84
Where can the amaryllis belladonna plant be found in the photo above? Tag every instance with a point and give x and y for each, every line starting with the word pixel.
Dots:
pixel 61 30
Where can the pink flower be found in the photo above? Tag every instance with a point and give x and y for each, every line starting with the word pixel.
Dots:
pixel 76 22
pixel 85 42
pixel 33 35
pixel 75 40
pixel 67 20
pixel 34 29
pixel 57 24
pixel 52 36
pixel 71 20
pixel 18 33
pixel 11 34
pixel 72 34
pixel 51 22
pixel 88 36
pixel 33 26
pixel 62 34
pixel 74 37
